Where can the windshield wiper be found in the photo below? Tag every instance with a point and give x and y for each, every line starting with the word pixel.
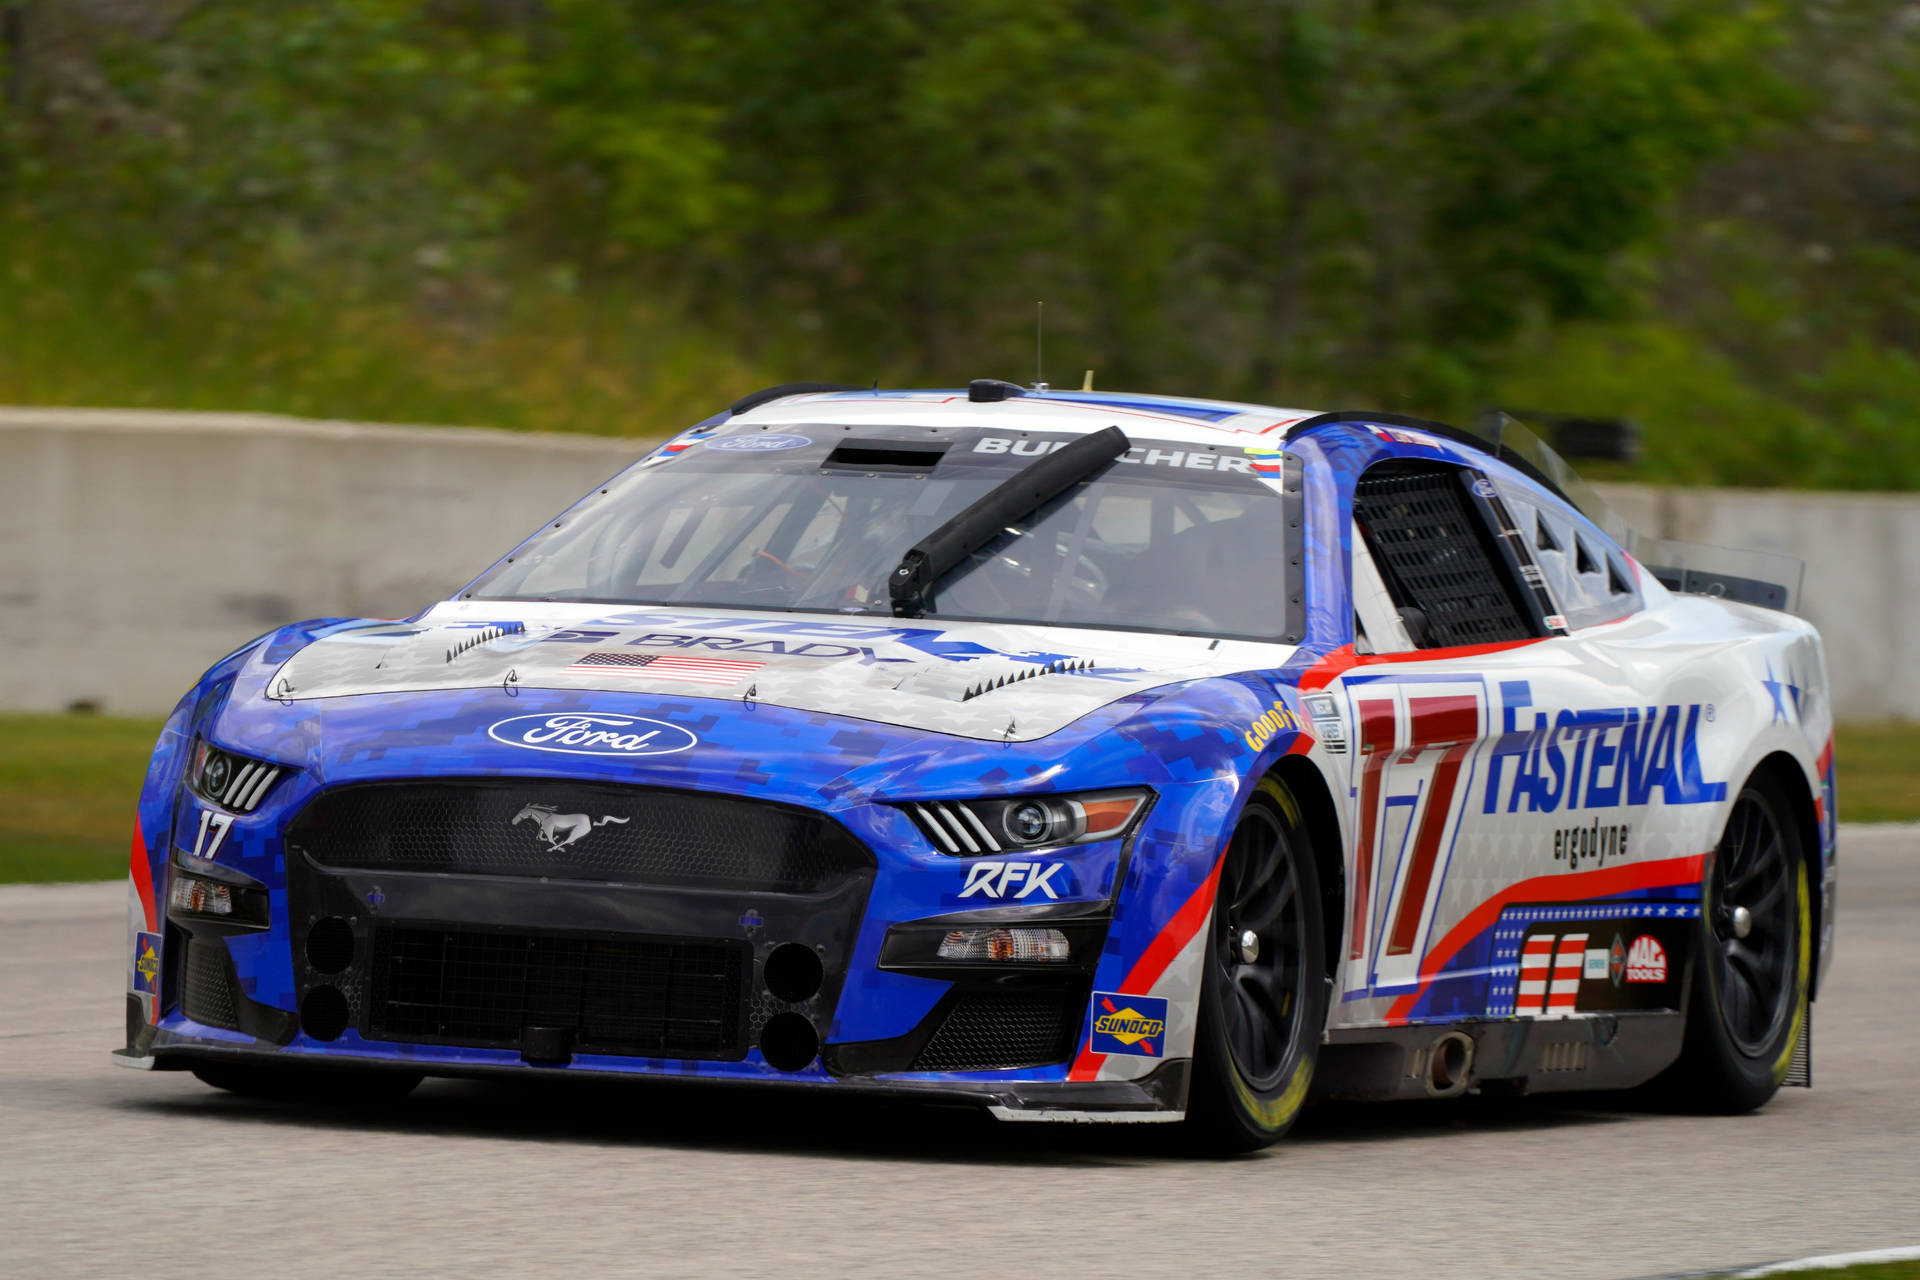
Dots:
pixel 1019 495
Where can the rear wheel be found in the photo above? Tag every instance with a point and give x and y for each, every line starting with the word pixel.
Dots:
pixel 1263 998
pixel 307 1084
pixel 1754 960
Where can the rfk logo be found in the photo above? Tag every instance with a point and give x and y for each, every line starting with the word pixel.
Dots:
pixel 998 879
pixel 1646 960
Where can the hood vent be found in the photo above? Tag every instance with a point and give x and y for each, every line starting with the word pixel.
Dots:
pixel 485 634
pixel 991 683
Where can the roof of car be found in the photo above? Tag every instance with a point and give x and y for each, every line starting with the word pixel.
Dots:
pixel 1145 416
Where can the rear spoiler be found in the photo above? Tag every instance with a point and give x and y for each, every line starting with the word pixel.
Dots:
pixel 1749 577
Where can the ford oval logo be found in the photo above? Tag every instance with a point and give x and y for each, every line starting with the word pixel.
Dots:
pixel 756 444
pixel 592 733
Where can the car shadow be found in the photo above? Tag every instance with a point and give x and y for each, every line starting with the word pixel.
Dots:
pixel 705 1117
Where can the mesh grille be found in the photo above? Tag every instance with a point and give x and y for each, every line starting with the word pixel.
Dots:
pixel 634 996
pixel 1432 550
pixel 576 831
pixel 997 1030
pixel 207 989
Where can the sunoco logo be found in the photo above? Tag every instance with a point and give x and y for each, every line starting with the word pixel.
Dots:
pixel 1128 1024
pixel 593 734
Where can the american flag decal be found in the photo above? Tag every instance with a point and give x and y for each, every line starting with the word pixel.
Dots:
pixel 1550 976
pixel 663 666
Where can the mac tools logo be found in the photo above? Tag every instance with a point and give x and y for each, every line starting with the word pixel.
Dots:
pixel 593 734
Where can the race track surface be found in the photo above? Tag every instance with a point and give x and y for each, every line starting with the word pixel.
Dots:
pixel 104 1170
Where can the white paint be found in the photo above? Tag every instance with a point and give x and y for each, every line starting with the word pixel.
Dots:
pixel 1906 1253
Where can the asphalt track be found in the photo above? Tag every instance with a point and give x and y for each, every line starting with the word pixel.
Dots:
pixel 106 1170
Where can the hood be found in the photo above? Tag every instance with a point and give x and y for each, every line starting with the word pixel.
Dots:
pixel 991 681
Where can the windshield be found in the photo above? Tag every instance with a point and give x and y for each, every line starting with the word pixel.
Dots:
pixel 1170 537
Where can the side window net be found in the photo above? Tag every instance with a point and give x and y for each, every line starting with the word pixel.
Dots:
pixel 1436 554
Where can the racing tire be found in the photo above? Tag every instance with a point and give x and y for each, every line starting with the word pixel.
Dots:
pixel 1262 1005
pixel 1750 990
pixel 334 1086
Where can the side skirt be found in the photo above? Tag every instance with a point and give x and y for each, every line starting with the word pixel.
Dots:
pixel 1511 1055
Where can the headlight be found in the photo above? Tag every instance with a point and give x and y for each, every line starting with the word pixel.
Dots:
pixel 231 781
pixel 966 827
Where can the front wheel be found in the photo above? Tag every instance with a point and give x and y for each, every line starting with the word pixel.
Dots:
pixel 1754 947
pixel 1263 999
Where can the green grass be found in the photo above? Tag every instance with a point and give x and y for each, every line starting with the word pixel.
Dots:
pixel 1877 772
pixel 68 785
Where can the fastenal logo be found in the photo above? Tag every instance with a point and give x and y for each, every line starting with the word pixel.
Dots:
pixel 1646 960
pixel 592 734
pixel 1127 1024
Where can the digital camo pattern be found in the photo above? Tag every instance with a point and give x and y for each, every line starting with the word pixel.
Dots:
pixel 1469 788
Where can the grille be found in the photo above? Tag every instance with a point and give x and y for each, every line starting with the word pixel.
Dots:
pixel 636 996
pixel 997 1030
pixel 577 831
pixel 1432 550
pixel 207 990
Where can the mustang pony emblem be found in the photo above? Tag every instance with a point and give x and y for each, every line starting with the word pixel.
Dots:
pixel 561 829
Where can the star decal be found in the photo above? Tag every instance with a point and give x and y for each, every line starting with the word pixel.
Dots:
pixel 1775 688
pixel 1794 689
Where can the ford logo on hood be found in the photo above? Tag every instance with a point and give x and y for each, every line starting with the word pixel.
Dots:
pixel 592 733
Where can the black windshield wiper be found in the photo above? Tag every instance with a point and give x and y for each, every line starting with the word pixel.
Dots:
pixel 1019 495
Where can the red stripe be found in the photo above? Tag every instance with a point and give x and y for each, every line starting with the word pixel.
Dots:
pixel 1825 762
pixel 142 871
pixel 1376 742
pixel 1338 662
pixel 1153 962
pixel 1436 721
pixel 1571 886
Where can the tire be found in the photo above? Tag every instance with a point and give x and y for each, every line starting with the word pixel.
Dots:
pixel 1749 993
pixel 333 1085
pixel 1260 1019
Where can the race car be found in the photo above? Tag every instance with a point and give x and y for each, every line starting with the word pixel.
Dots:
pixel 1080 756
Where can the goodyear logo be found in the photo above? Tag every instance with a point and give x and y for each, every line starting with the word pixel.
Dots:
pixel 146 963
pixel 1134 1025
pixel 1276 721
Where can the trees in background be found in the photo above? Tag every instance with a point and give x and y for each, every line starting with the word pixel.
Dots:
pixel 547 212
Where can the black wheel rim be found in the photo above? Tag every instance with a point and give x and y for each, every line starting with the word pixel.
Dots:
pixel 1753 974
pixel 1260 998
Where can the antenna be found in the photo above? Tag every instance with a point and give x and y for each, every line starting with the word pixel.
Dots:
pixel 1039 346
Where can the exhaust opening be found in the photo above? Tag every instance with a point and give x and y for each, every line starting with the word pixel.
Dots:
pixel 1449 1065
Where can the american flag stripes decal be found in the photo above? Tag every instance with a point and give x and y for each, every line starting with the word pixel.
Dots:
pixel 664 666
pixel 1550 976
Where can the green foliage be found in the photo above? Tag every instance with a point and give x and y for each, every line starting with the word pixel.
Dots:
pixel 69 786
pixel 607 215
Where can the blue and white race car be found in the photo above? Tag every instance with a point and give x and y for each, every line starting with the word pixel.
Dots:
pixel 1081 756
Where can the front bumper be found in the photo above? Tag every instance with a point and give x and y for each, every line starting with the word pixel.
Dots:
pixel 459 974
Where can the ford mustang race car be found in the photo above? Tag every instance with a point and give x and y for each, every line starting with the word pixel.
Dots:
pixel 1079 756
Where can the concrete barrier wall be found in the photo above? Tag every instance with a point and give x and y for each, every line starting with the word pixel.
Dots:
pixel 137 547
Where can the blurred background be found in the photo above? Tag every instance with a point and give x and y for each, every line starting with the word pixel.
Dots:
pixel 1694 222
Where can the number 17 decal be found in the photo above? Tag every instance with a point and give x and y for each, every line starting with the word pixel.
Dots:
pixel 214 825
pixel 1413 759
